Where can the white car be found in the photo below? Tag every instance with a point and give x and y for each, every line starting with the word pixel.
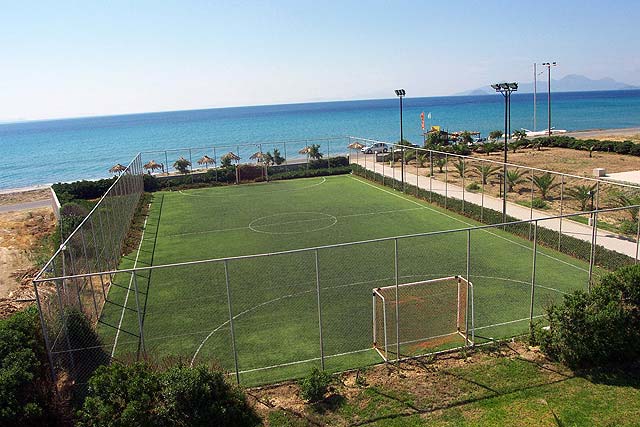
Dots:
pixel 378 147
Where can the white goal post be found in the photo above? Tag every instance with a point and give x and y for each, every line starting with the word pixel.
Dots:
pixel 419 318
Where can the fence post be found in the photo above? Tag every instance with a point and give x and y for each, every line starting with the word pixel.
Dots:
pixel 397 300
pixel 319 310
pixel 592 255
pixel 463 173
pixel 533 272
pixel 637 241
pixel 329 156
pixel 166 162
pixel 215 158
pixel 137 293
pixel 530 203
pixel 286 158
pixel 417 174
pixel 45 333
pixel 468 279
pixel 446 179
pixel 561 209
pixel 431 176
pixel 233 334
pixel 482 201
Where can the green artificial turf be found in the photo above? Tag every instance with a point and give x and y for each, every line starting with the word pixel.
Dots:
pixel 273 298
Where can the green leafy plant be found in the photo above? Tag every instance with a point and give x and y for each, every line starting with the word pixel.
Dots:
pixel 582 193
pixel 545 183
pixel 473 187
pixel 314 152
pixel 460 167
pixel 440 162
pixel 422 159
pixel 486 171
pixel 538 203
pixel 514 177
pixel 519 135
pixel 277 158
pixel 626 198
pixel 182 165
pixel 315 385
pixel 139 395
pixel 495 134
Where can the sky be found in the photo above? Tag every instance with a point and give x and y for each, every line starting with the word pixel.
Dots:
pixel 71 59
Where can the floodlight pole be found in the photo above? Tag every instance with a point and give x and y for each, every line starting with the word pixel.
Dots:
pixel 549 65
pixel 400 93
pixel 505 89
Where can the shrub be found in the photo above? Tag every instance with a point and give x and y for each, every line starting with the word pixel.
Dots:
pixel 150 183
pixel 22 398
pixel 474 186
pixel 596 329
pixel 66 192
pixel 181 396
pixel 538 203
pixel 315 385
pixel 624 147
pixel 628 227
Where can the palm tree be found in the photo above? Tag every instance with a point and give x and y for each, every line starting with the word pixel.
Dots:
pixel 495 134
pixel 460 167
pixel 519 134
pixel 440 162
pixel 422 159
pixel 514 177
pixel 277 158
pixel 486 171
pixel 314 151
pixel 626 198
pixel 182 165
pixel 545 183
pixel 582 193
pixel 268 159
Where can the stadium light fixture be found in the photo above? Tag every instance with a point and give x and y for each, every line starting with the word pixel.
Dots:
pixel 505 89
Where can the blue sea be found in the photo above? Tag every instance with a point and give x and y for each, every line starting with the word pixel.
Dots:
pixel 43 152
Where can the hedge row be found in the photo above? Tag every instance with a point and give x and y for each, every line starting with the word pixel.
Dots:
pixel 83 190
pixel 624 147
pixel 577 248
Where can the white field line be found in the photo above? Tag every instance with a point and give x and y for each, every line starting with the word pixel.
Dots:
pixel 126 299
pixel 324 179
pixel 293 222
pixel 469 224
pixel 477 328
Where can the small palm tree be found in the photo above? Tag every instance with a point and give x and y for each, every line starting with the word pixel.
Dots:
pixel 519 134
pixel 422 159
pixel 182 165
pixel 314 152
pixel 486 171
pixel 440 162
pixel 277 158
pixel 626 198
pixel 495 134
pixel 268 159
pixel 460 167
pixel 582 193
pixel 514 177
pixel 545 183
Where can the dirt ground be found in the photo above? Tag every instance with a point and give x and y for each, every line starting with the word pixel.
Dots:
pixel 13 198
pixel 423 378
pixel 20 233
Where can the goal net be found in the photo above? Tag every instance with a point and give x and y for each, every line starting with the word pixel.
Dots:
pixel 414 319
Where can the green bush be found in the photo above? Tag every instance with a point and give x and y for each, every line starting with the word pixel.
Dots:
pixel 474 186
pixel 23 399
pixel 67 192
pixel 596 329
pixel 122 395
pixel 314 386
pixel 538 203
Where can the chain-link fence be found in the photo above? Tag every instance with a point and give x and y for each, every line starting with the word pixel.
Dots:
pixel 95 246
pixel 270 317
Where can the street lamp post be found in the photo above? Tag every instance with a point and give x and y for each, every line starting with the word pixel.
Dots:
pixel 549 65
pixel 400 93
pixel 505 89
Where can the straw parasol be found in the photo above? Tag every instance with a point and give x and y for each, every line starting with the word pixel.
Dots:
pixel 257 156
pixel 231 156
pixel 153 165
pixel 355 145
pixel 206 161
pixel 118 168
pixel 305 150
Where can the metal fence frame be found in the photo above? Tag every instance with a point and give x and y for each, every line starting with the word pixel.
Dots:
pixel 122 198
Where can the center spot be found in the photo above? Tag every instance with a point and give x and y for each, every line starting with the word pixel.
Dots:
pixel 293 223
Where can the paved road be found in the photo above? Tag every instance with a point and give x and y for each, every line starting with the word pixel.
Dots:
pixel 584 232
pixel 25 206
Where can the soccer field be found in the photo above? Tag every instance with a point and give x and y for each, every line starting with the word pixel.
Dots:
pixel 274 299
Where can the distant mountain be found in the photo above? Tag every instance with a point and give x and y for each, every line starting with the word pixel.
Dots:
pixel 569 83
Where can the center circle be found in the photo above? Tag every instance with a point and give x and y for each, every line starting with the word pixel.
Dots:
pixel 293 223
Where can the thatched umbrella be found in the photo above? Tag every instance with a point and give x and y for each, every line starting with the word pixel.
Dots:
pixel 257 156
pixel 355 145
pixel 231 156
pixel 206 161
pixel 152 166
pixel 118 168
pixel 305 150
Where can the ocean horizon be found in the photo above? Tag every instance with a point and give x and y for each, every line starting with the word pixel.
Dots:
pixel 47 151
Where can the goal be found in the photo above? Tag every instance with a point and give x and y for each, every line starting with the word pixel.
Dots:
pixel 419 318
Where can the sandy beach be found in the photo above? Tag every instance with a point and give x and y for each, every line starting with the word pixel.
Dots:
pixel 626 134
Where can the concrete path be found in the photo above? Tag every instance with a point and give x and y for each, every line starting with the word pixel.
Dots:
pixel 575 229
pixel 25 206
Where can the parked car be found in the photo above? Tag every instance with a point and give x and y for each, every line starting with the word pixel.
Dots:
pixel 378 147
